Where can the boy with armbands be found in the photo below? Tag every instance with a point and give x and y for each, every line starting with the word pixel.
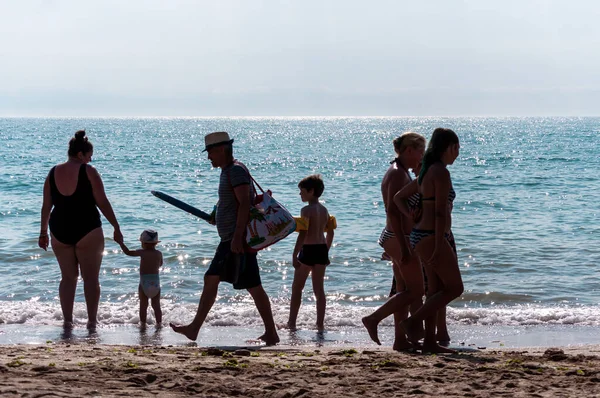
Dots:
pixel 311 253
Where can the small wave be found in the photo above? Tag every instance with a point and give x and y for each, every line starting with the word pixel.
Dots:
pixel 337 316
pixel 496 298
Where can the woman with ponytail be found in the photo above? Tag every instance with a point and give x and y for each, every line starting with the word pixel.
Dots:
pixel 431 238
pixel 73 192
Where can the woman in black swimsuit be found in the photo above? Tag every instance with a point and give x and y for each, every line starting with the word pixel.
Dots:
pixel 431 238
pixel 73 192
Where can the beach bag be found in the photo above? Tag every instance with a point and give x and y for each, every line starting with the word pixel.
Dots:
pixel 269 220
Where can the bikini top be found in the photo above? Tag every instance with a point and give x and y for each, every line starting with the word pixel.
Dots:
pixel 414 201
pixel 302 224
pixel 451 196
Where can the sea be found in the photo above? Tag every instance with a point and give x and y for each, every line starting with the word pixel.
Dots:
pixel 526 221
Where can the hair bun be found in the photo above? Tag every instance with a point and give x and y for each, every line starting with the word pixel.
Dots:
pixel 80 135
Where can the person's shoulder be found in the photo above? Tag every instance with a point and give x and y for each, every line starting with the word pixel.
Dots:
pixel 397 176
pixel 393 170
pixel 440 170
pixel 238 168
pixel 91 170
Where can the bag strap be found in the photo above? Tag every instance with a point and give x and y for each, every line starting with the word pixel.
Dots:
pixel 255 183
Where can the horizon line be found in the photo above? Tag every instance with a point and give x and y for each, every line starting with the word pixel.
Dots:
pixel 282 116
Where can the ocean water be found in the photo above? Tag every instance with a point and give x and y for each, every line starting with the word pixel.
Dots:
pixel 526 217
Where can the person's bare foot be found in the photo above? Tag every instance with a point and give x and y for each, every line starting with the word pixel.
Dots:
pixel 188 331
pixel 443 338
pixel 371 327
pixel 414 332
pixel 91 326
pixel 437 349
pixel 291 328
pixel 404 346
pixel 269 338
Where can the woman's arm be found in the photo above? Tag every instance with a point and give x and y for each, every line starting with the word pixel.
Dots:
pixel 400 198
pixel 442 189
pixel 43 240
pixel 396 220
pixel 103 203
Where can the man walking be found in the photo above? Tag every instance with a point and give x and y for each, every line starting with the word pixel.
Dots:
pixel 233 210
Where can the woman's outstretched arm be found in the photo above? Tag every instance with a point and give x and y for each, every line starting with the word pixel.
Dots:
pixel 103 203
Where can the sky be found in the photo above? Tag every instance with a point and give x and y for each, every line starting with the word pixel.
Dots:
pixel 299 58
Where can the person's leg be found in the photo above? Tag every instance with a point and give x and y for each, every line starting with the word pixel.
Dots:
pixel 69 271
pixel 413 279
pixel 392 247
pixel 400 342
pixel 318 279
pixel 89 253
pixel 442 335
pixel 157 309
pixel 143 305
pixel 433 286
pixel 207 299
pixel 263 305
pixel 300 276
pixel 249 280
pixel 445 285
pixel 209 292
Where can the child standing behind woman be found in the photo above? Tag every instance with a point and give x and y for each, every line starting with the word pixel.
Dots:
pixel 150 262
pixel 311 253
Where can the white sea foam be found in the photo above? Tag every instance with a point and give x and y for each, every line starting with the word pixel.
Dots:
pixel 338 315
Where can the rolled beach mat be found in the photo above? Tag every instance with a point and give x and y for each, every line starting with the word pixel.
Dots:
pixel 182 205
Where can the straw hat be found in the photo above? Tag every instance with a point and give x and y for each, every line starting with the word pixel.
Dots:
pixel 215 139
pixel 149 236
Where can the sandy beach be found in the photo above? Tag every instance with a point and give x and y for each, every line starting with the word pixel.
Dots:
pixel 76 370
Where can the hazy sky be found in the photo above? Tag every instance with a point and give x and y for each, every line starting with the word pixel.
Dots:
pixel 303 57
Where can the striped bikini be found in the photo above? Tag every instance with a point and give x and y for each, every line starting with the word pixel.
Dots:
pixel 416 235
pixel 413 202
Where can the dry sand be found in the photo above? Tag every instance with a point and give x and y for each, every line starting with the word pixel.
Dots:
pixel 100 370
